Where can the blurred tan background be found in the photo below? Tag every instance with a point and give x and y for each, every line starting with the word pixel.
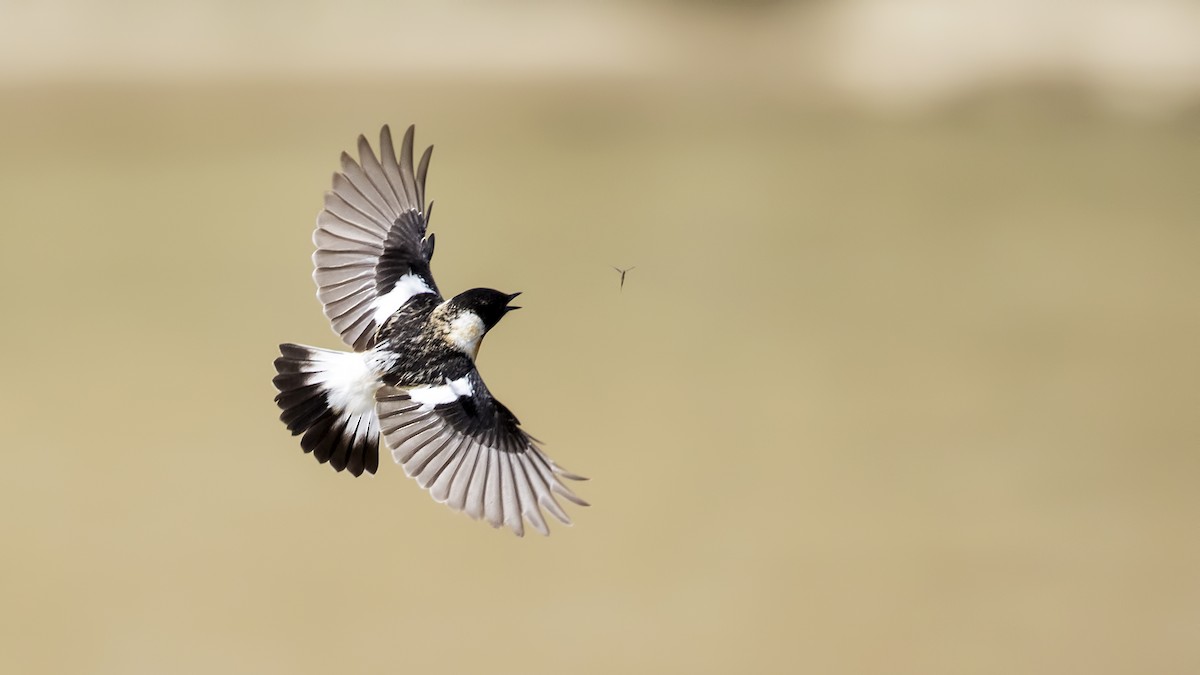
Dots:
pixel 905 381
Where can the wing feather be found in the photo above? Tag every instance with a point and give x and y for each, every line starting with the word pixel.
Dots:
pixel 422 170
pixel 469 451
pixel 513 518
pixel 374 172
pixel 443 485
pixel 437 461
pixel 345 192
pixel 525 491
pixel 475 490
pixel 457 499
pixel 332 277
pixel 370 234
pixel 337 206
pixel 406 167
pixel 364 187
pixel 391 168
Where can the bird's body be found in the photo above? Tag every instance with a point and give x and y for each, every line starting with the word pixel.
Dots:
pixel 411 377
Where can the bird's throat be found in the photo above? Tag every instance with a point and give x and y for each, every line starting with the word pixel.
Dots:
pixel 465 332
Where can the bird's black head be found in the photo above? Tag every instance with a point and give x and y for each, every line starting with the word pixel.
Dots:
pixel 488 304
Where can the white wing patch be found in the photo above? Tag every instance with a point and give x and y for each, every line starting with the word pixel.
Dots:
pixel 433 395
pixel 408 286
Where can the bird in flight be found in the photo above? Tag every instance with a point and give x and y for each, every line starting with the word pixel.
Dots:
pixel 411 376
pixel 622 272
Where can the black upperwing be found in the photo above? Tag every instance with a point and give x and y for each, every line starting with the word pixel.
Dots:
pixel 372 253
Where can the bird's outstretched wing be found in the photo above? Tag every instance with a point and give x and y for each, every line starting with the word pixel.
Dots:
pixel 470 452
pixel 372 254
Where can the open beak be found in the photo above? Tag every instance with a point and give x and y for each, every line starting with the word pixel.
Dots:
pixel 510 299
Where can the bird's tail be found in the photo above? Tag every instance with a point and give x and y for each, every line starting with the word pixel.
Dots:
pixel 330 398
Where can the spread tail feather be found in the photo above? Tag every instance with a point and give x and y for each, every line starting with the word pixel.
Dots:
pixel 329 397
